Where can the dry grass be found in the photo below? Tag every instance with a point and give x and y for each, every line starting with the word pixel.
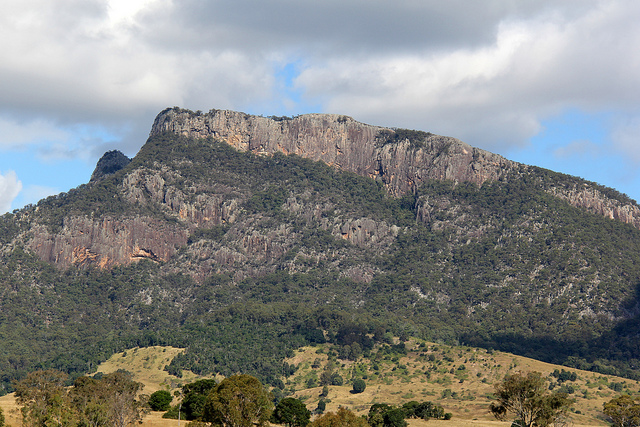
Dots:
pixel 147 366
pixel 395 382
pixel 468 392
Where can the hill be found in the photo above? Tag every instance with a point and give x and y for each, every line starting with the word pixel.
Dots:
pixel 423 373
pixel 219 237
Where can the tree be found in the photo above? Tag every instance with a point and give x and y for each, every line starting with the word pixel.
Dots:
pixel 394 418
pixel 43 398
pixel 528 398
pixel 358 385
pixel 195 396
pixel 160 400
pixel 238 401
pixel 291 412
pixel 111 400
pixel 342 418
pixel 1 418
pixel 623 411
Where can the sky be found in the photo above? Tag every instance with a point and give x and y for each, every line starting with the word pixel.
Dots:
pixel 549 83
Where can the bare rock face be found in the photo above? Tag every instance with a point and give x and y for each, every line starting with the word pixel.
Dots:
pixel 342 142
pixel 399 159
pixel 106 242
pixel 594 201
pixel 364 149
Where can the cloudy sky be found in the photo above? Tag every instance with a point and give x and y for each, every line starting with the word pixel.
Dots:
pixel 551 83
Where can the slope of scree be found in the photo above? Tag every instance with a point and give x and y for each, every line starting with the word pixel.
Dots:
pixel 243 257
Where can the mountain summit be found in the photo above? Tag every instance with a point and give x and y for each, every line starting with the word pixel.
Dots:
pixel 242 238
pixel 400 158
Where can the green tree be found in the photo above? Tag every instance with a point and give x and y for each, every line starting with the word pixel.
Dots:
pixel 623 411
pixel 291 412
pixel 238 401
pixel 394 418
pixel 195 396
pixel 342 418
pixel 160 400
pixel 1 418
pixel 358 385
pixel 43 399
pixel 375 417
pixel 528 398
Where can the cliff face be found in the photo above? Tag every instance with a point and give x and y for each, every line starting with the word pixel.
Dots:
pixel 106 242
pixel 356 147
pixel 342 142
pixel 399 159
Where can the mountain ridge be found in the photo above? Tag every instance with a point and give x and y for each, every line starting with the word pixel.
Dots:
pixel 198 244
pixel 402 162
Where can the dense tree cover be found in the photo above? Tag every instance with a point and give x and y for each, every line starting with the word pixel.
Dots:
pixel 526 397
pixel 623 411
pixel 291 412
pixel 384 415
pixel 238 401
pixel 160 400
pixel 110 400
pixel 505 265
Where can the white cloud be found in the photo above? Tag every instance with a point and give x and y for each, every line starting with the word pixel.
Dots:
pixel 580 149
pixel 486 72
pixel 15 134
pixel 10 186
pixel 496 94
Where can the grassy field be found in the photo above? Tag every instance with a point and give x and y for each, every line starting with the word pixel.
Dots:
pixel 460 379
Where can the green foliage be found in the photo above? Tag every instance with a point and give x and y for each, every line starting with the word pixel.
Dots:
pixel 384 415
pixel 343 417
pixel 562 375
pixel 195 396
pixel 423 410
pixel 415 137
pixel 291 412
pixel 526 397
pixel 160 400
pixel 623 411
pixel 358 385
pixel 238 401
pixel 110 400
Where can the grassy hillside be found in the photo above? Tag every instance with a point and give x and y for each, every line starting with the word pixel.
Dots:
pixel 423 374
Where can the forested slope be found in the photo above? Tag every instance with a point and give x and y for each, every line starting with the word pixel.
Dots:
pixel 242 258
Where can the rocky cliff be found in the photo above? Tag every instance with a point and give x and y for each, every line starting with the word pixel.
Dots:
pixel 341 141
pixel 170 206
pixel 399 160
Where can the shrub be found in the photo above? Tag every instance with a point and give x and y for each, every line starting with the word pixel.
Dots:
pixel 358 385
pixel 160 400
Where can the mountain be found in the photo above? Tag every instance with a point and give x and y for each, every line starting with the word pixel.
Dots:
pixel 242 238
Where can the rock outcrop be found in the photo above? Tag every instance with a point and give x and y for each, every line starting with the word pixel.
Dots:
pixel 111 162
pixel 342 142
pixel 106 242
pixel 366 150
pixel 399 159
